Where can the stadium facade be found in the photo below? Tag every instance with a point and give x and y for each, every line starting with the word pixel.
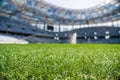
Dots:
pixel 36 21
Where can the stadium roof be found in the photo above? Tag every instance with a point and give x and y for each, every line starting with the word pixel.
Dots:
pixel 49 13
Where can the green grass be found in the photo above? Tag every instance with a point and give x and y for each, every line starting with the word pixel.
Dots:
pixel 60 62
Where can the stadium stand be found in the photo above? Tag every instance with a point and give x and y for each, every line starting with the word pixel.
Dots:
pixel 33 22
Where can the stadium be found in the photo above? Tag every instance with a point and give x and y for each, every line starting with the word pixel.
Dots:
pixel 33 22
pixel 47 40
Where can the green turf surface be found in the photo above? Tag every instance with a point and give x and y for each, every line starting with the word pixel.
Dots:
pixel 60 62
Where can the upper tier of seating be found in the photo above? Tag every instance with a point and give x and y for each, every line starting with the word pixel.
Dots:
pixel 7 24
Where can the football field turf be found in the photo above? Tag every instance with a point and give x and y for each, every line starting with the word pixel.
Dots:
pixel 59 62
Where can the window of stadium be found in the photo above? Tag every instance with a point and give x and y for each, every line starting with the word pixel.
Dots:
pixel 107 32
pixel 56 34
pixel 56 38
pixel 107 37
pixel 85 37
pixel 95 37
pixel 95 33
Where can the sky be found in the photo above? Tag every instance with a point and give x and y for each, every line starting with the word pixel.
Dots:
pixel 75 4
